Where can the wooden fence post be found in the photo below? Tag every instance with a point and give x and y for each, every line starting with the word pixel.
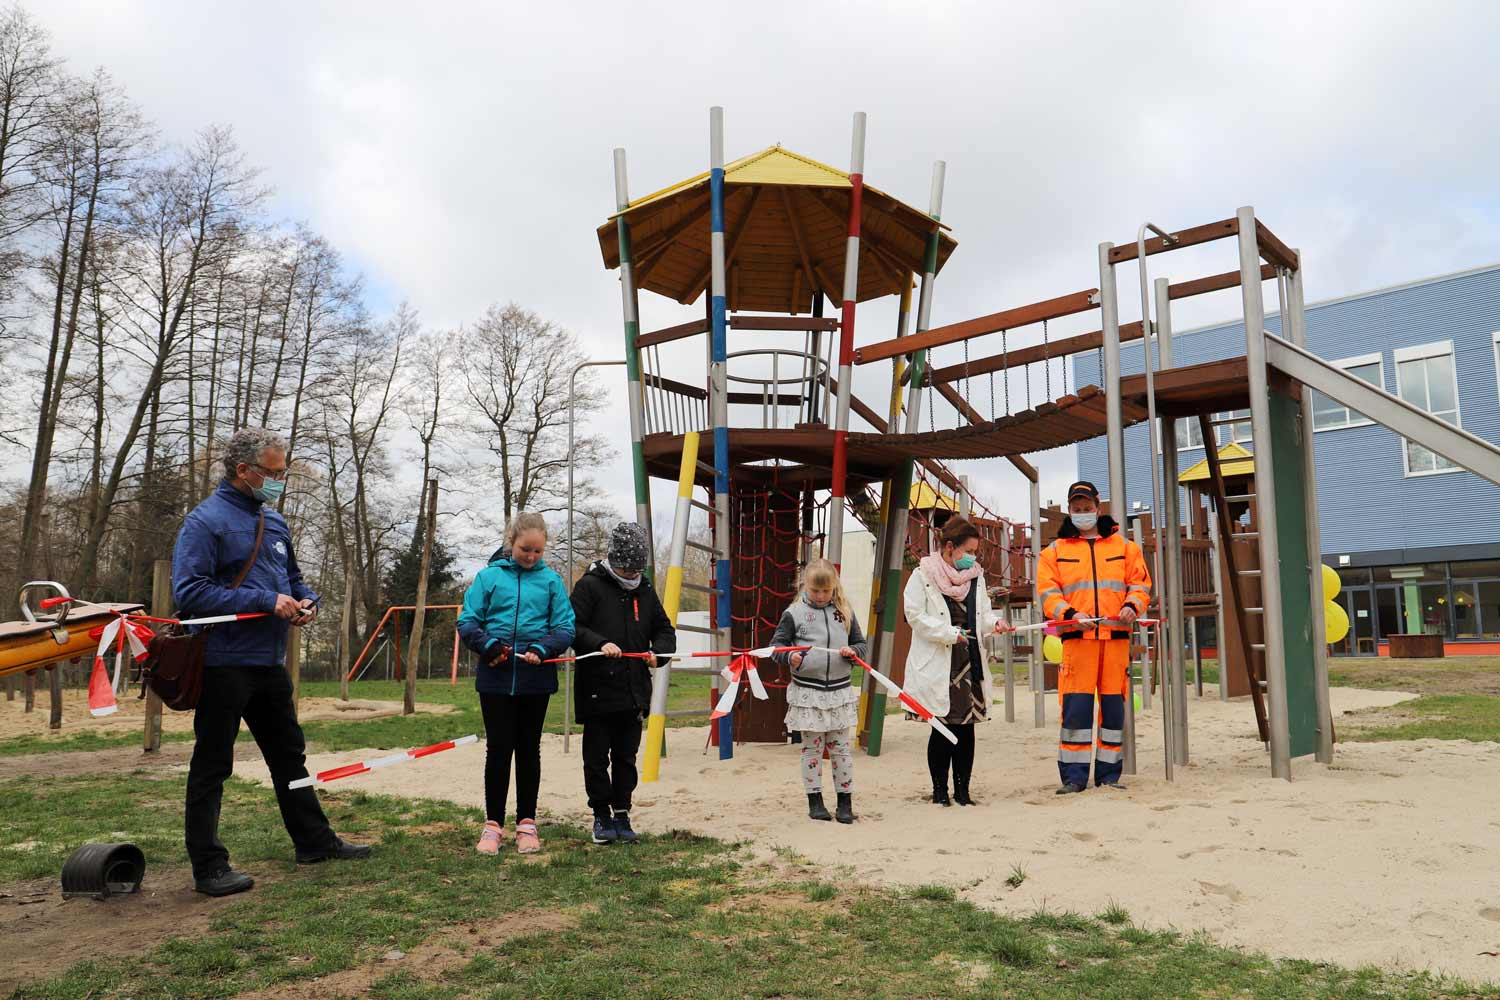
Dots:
pixel 161 607
pixel 409 702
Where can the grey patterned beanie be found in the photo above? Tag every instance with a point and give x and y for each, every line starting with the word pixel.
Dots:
pixel 627 547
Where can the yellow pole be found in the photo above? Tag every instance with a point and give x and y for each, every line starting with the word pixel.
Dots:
pixel 671 600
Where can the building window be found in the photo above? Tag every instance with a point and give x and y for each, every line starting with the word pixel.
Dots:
pixel 1330 414
pixel 1425 377
pixel 1239 431
pixel 1189 434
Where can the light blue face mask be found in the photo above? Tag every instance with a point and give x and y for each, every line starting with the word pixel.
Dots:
pixel 1084 522
pixel 965 561
pixel 270 490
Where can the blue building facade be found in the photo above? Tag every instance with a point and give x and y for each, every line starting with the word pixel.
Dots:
pixel 1414 539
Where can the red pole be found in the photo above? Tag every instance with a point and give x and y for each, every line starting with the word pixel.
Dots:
pixel 454 681
pixel 365 652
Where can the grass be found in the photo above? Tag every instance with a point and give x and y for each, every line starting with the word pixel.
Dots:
pixel 675 916
pixel 1459 698
pixel 1016 878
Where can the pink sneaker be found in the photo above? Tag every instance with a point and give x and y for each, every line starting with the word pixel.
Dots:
pixel 489 839
pixel 527 842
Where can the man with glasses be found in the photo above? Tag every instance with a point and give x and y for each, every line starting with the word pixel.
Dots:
pixel 234 556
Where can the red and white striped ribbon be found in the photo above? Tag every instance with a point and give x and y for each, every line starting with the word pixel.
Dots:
pixel 365 766
pixel 914 706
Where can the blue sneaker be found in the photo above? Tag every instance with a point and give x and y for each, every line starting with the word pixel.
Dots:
pixel 604 830
pixel 623 833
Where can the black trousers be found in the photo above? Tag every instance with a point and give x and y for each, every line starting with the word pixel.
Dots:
pixel 512 728
pixel 262 697
pixel 941 754
pixel 611 740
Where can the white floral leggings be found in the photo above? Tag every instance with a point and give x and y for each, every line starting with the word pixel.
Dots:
pixel 839 753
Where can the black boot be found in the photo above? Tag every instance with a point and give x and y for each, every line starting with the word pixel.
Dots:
pixel 815 807
pixel 940 795
pixel 845 811
pixel 961 792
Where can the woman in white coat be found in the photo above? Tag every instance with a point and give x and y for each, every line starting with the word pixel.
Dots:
pixel 948 607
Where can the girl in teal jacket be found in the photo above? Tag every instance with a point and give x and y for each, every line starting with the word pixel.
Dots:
pixel 516 615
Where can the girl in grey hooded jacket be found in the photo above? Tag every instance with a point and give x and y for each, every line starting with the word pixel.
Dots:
pixel 822 703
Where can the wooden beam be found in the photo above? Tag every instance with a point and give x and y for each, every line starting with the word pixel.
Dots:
pixel 1214 283
pixel 794 323
pixel 1036 312
pixel 653 252
pixel 756 399
pixel 1272 249
pixel 1182 238
pixel 1076 344
pixel 671 333
pixel 791 218
pixel 682 388
pixel 696 286
pixel 1026 468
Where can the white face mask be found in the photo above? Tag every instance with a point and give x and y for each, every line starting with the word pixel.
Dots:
pixel 1084 522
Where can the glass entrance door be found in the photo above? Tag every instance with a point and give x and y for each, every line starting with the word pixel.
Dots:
pixel 1360 608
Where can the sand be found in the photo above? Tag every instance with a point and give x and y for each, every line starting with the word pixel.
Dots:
pixel 1384 858
pixel 16 721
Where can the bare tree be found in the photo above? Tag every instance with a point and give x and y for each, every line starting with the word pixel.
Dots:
pixel 98 135
pixel 516 368
pixel 28 73
pixel 180 218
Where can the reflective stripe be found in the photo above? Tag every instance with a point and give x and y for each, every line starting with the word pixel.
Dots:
pixel 1075 756
pixel 1048 593
pixel 1078 735
pixel 1119 585
pixel 1107 756
pixel 1114 736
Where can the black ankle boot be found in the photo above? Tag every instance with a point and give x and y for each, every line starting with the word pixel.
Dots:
pixel 815 807
pixel 845 809
pixel 961 792
pixel 940 795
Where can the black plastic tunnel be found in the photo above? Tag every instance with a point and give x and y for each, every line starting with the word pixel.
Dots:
pixel 102 870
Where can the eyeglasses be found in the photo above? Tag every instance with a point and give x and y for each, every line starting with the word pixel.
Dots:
pixel 277 474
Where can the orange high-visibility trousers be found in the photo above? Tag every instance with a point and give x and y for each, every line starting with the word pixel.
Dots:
pixel 1092 667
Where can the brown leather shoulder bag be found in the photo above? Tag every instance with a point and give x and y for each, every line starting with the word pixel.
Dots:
pixel 174 659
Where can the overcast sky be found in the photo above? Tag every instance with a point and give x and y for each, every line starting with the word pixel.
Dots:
pixel 460 154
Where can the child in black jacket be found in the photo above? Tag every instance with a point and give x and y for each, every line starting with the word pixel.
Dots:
pixel 617 612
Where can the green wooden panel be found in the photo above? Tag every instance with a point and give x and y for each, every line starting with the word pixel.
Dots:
pixel 1296 580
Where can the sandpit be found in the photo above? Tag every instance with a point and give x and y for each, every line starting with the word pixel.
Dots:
pixel 1383 858
pixel 15 721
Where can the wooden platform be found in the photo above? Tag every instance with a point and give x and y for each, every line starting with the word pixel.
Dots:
pixel 806 451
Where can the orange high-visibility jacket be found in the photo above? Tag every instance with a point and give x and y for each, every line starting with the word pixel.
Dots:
pixel 1079 578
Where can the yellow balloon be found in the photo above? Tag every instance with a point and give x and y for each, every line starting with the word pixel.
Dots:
pixel 1331 583
pixel 1335 622
pixel 1052 649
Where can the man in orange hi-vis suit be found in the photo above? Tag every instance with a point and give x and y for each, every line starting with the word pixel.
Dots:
pixel 1092 571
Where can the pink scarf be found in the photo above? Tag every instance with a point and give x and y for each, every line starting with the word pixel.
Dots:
pixel 948 579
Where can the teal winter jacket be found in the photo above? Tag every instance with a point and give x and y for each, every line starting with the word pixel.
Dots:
pixel 520 610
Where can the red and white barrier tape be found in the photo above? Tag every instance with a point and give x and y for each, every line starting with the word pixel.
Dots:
pixel 365 766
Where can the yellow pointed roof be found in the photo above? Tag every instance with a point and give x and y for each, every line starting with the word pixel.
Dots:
pixel 786 236
pixel 924 497
pixel 774 165
pixel 1233 461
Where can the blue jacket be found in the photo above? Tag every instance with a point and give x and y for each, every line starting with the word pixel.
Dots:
pixel 212 547
pixel 525 609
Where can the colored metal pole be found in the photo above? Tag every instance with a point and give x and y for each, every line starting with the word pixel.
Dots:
pixel 835 547
pixel 1294 327
pixel 671 602
pixel 1169 540
pixel 635 397
pixel 719 403
pixel 1038 667
pixel 1265 494
pixel 900 509
pixel 887 501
